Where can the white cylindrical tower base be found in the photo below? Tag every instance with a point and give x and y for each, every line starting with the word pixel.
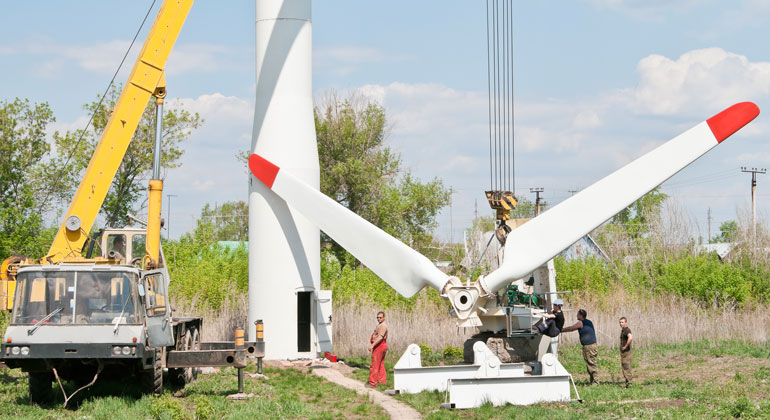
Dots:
pixel 284 248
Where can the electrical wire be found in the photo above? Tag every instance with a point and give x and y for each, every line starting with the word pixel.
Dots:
pixel 90 119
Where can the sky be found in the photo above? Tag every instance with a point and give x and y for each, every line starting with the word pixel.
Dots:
pixel 597 83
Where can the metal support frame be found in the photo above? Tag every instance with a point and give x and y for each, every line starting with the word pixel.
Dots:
pixel 487 379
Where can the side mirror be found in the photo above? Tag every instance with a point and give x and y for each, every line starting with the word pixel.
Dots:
pixel 140 288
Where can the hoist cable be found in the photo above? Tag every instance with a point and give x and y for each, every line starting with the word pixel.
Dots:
pixel 512 161
pixel 489 102
pixel 496 84
pixel 500 88
pixel 504 107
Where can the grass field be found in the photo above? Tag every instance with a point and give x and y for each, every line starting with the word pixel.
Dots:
pixel 698 380
pixel 287 394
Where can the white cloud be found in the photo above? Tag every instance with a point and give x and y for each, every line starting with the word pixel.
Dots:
pixel 204 58
pixel 50 69
pixel 586 119
pixel 206 185
pixel 64 126
pixel 648 10
pixel 344 60
pixel 104 57
pixel 699 80
pixel 463 164
pixel 216 108
pixel 443 132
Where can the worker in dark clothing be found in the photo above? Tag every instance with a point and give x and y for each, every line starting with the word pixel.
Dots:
pixel 625 350
pixel 554 322
pixel 585 328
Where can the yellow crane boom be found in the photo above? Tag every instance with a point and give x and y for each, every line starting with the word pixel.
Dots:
pixel 146 80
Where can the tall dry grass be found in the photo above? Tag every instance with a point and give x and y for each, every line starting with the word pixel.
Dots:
pixel 667 319
pixel 426 323
pixel 656 320
pixel 218 324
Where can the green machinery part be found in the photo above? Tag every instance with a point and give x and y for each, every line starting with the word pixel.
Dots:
pixel 514 296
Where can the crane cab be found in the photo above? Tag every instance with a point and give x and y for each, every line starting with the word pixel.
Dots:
pixel 127 244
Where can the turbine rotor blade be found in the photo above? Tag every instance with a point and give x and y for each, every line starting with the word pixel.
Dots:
pixel 403 268
pixel 543 237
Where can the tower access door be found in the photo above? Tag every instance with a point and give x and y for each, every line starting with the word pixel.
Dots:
pixel 304 320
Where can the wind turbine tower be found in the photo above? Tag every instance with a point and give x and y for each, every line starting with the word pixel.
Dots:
pixel 284 247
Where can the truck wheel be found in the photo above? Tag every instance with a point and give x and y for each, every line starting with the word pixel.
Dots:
pixel 183 376
pixel 196 345
pixel 40 391
pixel 152 379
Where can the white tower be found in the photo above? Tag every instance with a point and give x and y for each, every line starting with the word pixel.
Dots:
pixel 284 247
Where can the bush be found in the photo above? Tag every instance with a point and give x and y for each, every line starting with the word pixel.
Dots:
pixel 167 408
pixel 704 277
pixel 452 352
pixel 425 350
pixel 361 284
pixel 591 275
pixel 207 271
pixel 204 409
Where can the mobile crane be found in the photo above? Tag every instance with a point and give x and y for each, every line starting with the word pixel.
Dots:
pixel 76 316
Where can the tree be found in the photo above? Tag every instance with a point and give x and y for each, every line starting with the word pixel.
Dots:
pixel 636 218
pixel 364 175
pixel 30 184
pixel 525 208
pixel 728 232
pixel 228 222
pixel 136 167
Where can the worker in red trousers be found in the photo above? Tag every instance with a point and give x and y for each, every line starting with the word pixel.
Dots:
pixel 378 347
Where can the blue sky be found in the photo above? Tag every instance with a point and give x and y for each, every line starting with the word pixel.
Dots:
pixel 597 83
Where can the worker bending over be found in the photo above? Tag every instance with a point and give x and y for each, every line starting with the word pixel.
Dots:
pixel 585 328
pixel 553 322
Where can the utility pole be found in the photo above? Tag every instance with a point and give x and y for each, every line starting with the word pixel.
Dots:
pixel 168 216
pixel 451 224
pixel 537 192
pixel 753 172
pixel 709 219
pixel 572 192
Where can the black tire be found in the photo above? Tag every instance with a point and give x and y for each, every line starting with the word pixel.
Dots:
pixel 152 379
pixel 182 376
pixel 40 391
pixel 196 345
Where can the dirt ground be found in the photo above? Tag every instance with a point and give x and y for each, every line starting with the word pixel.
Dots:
pixel 719 370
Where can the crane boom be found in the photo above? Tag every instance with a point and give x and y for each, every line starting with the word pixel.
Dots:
pixel 147 79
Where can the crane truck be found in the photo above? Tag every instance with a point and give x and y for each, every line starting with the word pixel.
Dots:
pixel 76 315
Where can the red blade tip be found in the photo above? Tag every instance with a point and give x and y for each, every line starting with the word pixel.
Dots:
pixel 732 119
pixel 263 169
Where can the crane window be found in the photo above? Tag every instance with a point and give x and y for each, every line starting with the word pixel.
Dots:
pixel 46 297
pixel 156 295
pixel 138 245
pixel 117 243
pixel 105 298
pixel 76 298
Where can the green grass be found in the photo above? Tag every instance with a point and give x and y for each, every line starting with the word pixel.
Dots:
pixel 699 380
pixel 288 394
